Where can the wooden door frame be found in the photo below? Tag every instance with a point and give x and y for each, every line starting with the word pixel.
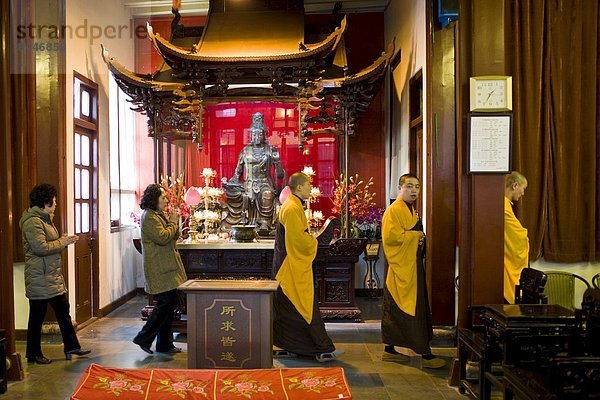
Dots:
pixel 95 309
pixel 415 135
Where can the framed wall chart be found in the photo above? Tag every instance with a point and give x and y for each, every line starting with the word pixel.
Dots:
pixel 489 143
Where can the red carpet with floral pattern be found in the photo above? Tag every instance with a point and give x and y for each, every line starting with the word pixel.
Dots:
pixel 98 382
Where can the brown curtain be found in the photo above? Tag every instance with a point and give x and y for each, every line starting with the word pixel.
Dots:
pixel 554 48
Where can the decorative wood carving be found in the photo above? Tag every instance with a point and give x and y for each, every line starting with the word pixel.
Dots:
pixel 337 291
pixel 344 314
pixel 350 247
pixel 211 77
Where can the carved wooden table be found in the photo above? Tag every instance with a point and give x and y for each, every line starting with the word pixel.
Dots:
pixel 229 323
pixel 333 267
pixel 334 278
pixel 524 336
pixel 227 259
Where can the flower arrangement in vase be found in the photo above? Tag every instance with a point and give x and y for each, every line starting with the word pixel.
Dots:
pixel 364 215
pixel 174 192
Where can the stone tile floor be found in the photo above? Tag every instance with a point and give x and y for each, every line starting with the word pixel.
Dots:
pixel 369 377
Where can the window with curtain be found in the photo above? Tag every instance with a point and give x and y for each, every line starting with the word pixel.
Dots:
pixel 123 171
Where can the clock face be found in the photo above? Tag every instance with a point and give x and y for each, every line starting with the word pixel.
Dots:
pixel 491 94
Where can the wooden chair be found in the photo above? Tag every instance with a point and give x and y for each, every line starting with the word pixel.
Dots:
pixel 596 281
pixel 560 288
pixel 531 287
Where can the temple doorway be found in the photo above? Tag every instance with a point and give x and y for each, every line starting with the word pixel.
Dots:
pixel 85 165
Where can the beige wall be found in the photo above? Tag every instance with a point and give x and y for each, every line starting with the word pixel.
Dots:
pixel 405 21
pixel 118 260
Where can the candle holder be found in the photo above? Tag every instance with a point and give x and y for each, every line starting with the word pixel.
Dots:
pixel 209 215
pixel 314 217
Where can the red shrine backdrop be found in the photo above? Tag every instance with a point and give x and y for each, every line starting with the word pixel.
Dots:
pixel 226 132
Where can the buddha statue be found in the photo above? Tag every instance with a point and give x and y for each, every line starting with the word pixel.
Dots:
pixel 253 199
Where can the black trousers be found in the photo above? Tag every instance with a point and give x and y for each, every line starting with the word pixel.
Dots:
pixel 160 323
pixel 37 313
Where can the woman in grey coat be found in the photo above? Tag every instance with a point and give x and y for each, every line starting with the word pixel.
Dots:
pixel 163 270
pixel 44 282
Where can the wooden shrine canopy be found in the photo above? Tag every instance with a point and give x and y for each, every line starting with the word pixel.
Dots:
pixel 249 51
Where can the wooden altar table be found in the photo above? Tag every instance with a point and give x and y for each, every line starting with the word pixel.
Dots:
pixel 98 382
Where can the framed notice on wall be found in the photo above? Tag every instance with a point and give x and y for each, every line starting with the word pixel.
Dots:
pixel 489 143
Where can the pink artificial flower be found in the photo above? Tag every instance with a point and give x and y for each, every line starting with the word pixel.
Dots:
pixel 180 386
pixel 117 384
pixel 198 389
pixel 310 382
pixel 244 386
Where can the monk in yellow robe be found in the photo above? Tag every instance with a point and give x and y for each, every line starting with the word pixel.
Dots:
pixel 297 326
pixel 406 319
pixel 516 243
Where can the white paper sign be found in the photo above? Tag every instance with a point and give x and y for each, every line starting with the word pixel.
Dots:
pixel 489 143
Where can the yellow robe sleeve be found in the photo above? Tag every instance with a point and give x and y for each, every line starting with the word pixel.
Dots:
pixel 296 274
pixel 516 251
pixel 400 246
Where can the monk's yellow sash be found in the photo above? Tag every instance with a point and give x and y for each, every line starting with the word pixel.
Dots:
pixel 400 246
pixel 516 251
pixel 295 275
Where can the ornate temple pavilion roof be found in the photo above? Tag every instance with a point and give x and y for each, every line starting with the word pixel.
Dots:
pixel 249 50
pixel 221 44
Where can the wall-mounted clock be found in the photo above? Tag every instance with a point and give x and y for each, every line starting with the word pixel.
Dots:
pixel 490 93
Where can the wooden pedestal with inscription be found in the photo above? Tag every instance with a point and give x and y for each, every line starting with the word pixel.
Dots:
pixel 229 323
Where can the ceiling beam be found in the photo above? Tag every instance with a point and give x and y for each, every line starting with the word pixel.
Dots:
pixel 147 8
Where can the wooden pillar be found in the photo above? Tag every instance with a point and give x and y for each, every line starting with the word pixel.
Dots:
pixel 480 51
pixel 441 171
pixel 7 320
pixel 7 216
